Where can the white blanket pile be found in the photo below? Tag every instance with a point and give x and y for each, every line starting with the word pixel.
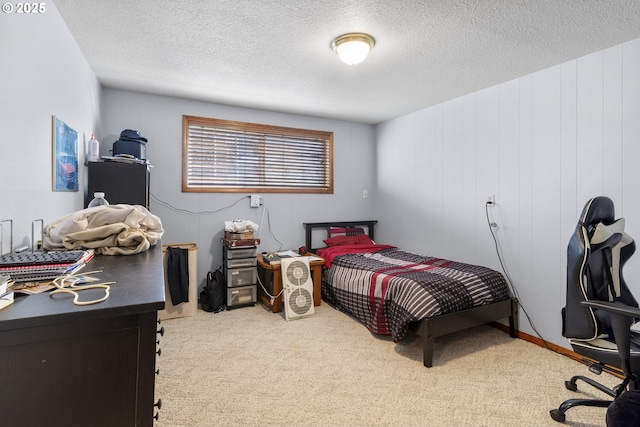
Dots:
pixel 109 230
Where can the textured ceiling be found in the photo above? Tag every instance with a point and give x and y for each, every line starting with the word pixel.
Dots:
pixel 276 55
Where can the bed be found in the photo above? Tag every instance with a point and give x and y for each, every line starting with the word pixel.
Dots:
pixel 392 291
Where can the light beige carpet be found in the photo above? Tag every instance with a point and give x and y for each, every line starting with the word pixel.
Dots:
pixel 250 367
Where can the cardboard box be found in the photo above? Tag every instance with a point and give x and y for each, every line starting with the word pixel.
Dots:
pixel 238 236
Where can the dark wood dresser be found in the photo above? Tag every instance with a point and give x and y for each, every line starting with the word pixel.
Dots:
pixel 68 365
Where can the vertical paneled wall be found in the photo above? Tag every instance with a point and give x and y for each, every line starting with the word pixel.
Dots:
pixel 543 144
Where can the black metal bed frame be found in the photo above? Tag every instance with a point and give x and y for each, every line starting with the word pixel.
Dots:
pixel 437 326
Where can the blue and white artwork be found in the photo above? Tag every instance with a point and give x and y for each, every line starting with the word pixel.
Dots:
pixel 65 157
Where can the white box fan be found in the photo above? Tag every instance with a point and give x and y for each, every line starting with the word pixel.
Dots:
pixel 298 288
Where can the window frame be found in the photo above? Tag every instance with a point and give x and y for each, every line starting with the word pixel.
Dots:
pixel 256 128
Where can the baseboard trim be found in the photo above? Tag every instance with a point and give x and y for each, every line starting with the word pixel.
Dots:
pixel 555 348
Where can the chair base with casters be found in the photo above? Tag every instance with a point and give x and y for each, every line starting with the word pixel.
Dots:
pixel 559 413
pixel 631 382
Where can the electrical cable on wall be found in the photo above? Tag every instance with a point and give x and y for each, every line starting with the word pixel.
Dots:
pixel 271 232
pixel 492 227
pixel 188 212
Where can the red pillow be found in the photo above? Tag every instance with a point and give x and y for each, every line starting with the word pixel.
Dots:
pixel 360 239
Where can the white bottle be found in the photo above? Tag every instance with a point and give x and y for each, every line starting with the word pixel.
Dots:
pixel 98 200
pixel 93 154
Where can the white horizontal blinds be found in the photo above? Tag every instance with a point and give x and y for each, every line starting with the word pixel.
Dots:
pixel 231 158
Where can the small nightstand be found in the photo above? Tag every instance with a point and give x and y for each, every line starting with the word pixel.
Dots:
pixel 271 278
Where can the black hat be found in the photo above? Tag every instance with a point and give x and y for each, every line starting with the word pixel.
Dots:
pixel 132 135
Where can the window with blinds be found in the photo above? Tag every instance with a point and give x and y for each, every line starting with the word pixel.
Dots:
pixel 229 156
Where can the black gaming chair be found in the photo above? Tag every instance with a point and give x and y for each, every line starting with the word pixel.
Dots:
pixel 600 308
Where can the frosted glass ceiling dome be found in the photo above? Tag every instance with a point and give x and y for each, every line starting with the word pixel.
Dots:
pixel 353 48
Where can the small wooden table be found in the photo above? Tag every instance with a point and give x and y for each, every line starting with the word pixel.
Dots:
pixel 272 274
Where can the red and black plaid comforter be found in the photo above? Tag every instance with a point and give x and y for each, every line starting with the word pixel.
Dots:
pixel 389 288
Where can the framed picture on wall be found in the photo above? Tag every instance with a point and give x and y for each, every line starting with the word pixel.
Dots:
pixel 65 156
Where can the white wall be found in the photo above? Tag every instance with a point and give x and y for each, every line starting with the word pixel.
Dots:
pixel 43 73
pixel 543 144
pixel 159 119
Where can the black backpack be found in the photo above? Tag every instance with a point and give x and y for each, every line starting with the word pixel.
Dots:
pixel 212 295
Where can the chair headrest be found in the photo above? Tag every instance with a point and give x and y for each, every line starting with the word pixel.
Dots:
pixel 598 209
pixel 607 236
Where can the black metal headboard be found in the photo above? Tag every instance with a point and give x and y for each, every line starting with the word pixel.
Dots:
pixel 310 226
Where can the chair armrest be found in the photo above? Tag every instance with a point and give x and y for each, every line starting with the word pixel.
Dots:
pixel 621 316
pixel 614 307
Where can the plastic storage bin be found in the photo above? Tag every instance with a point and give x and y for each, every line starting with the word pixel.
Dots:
pixel 241 276
pixel 242 262
pixel 241 253
pixel 241 296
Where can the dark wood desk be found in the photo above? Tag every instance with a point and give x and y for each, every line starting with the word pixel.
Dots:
pixel 273 274
pixel 68 365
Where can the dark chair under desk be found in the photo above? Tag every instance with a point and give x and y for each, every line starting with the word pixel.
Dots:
pixel 600 309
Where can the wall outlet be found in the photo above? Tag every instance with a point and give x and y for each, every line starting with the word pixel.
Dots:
pixel 256 200
pixel 365 194
pixel 491 199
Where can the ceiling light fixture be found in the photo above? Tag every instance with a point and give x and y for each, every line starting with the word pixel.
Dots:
pixel 353 48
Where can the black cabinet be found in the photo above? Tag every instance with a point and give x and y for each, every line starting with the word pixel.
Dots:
pixel 94 365
pixel 120 182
